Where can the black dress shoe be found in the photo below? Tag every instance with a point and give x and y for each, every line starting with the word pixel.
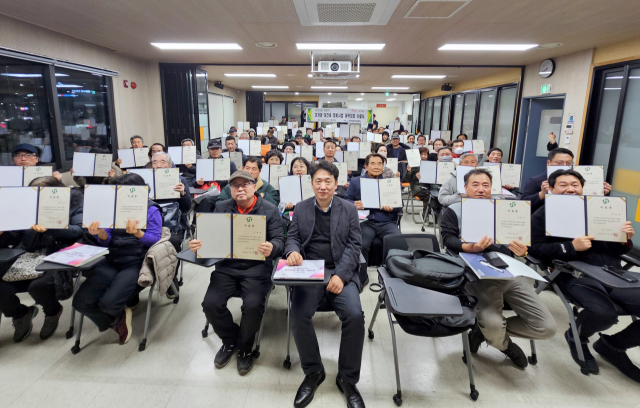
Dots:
pixel 351 393
pixel 308 388
pixel 224 355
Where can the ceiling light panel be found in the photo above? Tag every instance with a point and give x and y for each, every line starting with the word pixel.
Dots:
pixel 418 76
pixel 329 87
pixel 252 75
pixel 269 86
pixel 359 99
pixel 339 46
pixel 390 87
pixel 487 47
pixel 197 46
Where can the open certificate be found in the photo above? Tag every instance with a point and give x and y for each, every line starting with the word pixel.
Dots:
pixel 496 183
pixel 249 231
pixel 294 189
pixel 510 174
pixel 133 157
pixel 213 169
pixel 99 205
pixel 378 193
pixel 478 219
pixel 564 216
pixel 460 173
pixel 165 182
pixel 413 157
pixel 53 207
pixel 91 164
pixel 250 147
pixel 309 271
pixel 351 159
pixel 182 154
pixel 392 164
pixel 478 146
pixel 214 230
pixel 272 173
pixel 18 176
pixel 33 172
pixel 513 221
pixel 306 151
pixel 343 176
pixel 594 180
pixel 605 218
pixel 19 208
pixel 131 204
pixel 236 158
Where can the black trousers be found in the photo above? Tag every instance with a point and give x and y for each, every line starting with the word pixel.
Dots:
pixel 599 312
pixel 304 303
pixel 253 288
pixel 372 230
pixel 41 290
pixel 102 296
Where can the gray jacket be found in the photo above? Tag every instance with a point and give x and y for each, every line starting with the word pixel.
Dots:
pixel 449 192
pixel 346 239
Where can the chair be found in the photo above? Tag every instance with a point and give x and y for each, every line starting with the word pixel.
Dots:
pixel 376 245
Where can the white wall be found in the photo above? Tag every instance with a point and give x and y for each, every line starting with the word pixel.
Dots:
pixel 240 107
pixel 388 114
pixel 333 98
pixel 571 77
pixel 138 111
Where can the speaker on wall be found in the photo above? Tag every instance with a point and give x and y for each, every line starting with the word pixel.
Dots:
pixel 218 84
pixel 446 88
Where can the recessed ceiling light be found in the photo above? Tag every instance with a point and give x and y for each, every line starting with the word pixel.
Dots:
pixel 310 75
pixel 328 101
pixel 329 87
pixel 251 75
pixel 266 44
pixel 390 87
pixel 395 94
pixel 297 93
pixel 487 47
pixel 265 93
pixel 392 99
pixel 361 93
pixel 418 76
pixel 269 86
pixel 197 46
pixel 359 99
pixel 338 46
pixel 416 100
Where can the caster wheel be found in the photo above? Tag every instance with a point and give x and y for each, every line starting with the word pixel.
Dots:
pixel 176 300
pixel 533 360
pixel 474 395
pixel 584 371
pixel 422 229
pixel 371 335
pixel 75 350
pixel 383 306
pixel 397 400
pixel 180 283
pixel 69 334
pixel 205 334
pixel 256 353
pixel 286 364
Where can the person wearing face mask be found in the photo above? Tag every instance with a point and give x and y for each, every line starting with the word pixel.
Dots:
pixel 532 320
pixel 537 187
pixel 412 176
pixel 599 313
pixel 449 190
pixel 458 148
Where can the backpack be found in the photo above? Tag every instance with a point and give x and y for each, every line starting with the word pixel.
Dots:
pixel 171 216
pixel 431 270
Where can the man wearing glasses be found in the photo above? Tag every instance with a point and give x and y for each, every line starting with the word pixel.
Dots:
pixel 26 155
pixel 253 278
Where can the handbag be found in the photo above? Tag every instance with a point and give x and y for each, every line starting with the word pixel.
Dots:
pixel 24 268
pixel 431 270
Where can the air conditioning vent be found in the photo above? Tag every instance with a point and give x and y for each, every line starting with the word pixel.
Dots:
pixel 345 12
pixel 436 8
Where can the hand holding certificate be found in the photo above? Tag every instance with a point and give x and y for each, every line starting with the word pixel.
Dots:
pixel 379 193
pixel 166 181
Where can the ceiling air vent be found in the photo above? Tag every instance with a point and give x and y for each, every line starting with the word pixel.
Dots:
pixel 436 8
pixel 344 12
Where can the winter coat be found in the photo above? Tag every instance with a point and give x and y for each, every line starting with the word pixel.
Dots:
pixel 159 264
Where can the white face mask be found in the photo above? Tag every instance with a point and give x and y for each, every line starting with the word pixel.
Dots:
pixel 446 158
pixel 383 154
pixel 458 150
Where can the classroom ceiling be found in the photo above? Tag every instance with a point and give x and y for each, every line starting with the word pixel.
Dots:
pixel 130 26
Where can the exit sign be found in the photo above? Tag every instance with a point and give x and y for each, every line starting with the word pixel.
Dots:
pixel 381 105
pixel 545 89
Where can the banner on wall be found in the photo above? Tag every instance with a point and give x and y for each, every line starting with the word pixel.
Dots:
pixel 339 115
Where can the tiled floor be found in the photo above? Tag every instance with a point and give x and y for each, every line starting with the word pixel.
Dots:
pixel 177 368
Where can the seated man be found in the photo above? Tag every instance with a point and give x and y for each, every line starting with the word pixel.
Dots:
pixel 532 320
pixel 231 146
pixel 537 187
pixel 188 170
pixel 253 165
pixel 215 152
pixel 599 313
pixel 395 150
pixel 252 277
pixel 326 228
pixel 25 154
pixel 379 223
pixel 449 190
pixel 458 148
pixel 136 143
pixel 462 136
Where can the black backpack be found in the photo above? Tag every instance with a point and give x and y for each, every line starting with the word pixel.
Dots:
pixel 431 270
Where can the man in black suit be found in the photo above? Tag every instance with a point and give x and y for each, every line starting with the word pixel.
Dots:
pixel 331 223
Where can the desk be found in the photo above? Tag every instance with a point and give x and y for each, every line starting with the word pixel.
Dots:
pixel 193 191
pixel 189 256
pixel 51 266
pixel 10 254
pixel 604 277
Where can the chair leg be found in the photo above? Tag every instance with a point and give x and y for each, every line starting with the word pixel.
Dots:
pixel 256 351
pixel 533 358
pixel 76 347
pixel 467 360
pixel 373 320
pixel 143 344
pixel 175 290
pixel 76 285
pixel 205 331
pixel 287 361
pixel 397 399
pixel 573 328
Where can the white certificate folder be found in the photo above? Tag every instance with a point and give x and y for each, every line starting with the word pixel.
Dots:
pixel 101 205
pixel 502 220
pixel 215 230
pixel 378 193
pixel 23 207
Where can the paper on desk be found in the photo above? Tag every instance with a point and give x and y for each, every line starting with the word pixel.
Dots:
pixel 309 270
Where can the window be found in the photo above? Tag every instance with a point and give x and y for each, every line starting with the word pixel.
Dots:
pixel 485 117
pixel 437 105
pixel 427 121
pixel 607 121
pixel 445 113
pixel 288 109
pixel 504 121
pixel 468 115
pixel 457 115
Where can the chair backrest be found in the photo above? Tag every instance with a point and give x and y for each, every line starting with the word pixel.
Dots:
pixel 409 242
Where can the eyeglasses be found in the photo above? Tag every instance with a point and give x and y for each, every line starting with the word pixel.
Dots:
pixel 160 162
pixel 24 155
pixel 239 186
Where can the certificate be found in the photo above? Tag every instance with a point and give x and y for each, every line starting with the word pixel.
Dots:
pixel 460 173
pixel 53 207
pixel 390 192
pixel 280 136
pixel 594 180
pixel 551 169
pixel 189 154
pixel 320 150
pixel 478 146
pixel 435 134
pixel 11 176
pixel 245 146
pixel 369 193
pixel 365 149
pixel 468 145
pixel 309 270
pixel 306 152
pixel 131 204
pixel 445 135
pixel 510 174
pixel 351 159
pixel 33 172
pixel 413 157
pixel 249 231
pixel 605 218
pixel 290 190
pixel 392 164
pixel 236 158
pixel 176 154
pixel 513 221
pixel 428 172
pixel 307 189
pixel 371 137
pixel 275 172
pixel 214 230
pixel 564 216
pixel 221 169
pixel 496 183
pixel 22 204
pixel 141 156
pixel 147 176
pixel 204 169
pixel 165 182
pixel 103 165
pixel 289 158
pixel 255 148
pixel 99 205
pixel 316 136
pixel 445 170
pixel 127 157
pixel 353 147
pixel 343 177
pixel 478 219
pixel 339 156
pixel 83 164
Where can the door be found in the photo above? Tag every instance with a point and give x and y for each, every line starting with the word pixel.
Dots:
pixel 544 116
